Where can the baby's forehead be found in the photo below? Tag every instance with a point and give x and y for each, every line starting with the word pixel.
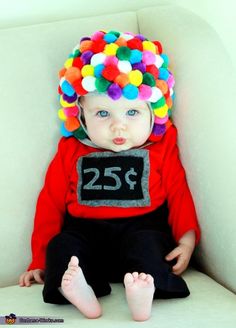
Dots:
pixel 93 100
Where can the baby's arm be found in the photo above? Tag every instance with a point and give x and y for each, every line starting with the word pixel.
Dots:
pixel 182 252
pixel 28 277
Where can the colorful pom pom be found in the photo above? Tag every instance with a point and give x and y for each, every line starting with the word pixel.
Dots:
pixel 123 53
pixel 135 77
pixel 87 70
pixel 88 83
pixel 148 79
pixel 116 64
pixel 124 66
pixel 114 91
pixel 145 92
pixel 130 92
pixel 110 72
pixel 111 49
pixel 102 84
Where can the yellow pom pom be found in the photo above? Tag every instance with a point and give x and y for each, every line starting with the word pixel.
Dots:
pixel 87 70
pixel 65 103
pixel 161 111
pixel 68 62
pixel 61 114
pixel 111 49
pixel 135 77
pixel 148 45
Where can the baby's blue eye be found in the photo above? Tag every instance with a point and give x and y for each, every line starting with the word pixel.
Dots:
pixel 132 112
pixel 102 113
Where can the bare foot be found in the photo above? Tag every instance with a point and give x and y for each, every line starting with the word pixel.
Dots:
pixel 76 290
pixel 139 290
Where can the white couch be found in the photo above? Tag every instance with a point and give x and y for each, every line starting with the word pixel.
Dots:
pixel 204 113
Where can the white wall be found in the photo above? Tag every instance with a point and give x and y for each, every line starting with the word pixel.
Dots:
pixel 220 14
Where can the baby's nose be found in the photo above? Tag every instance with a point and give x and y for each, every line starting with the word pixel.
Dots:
pixel 118 124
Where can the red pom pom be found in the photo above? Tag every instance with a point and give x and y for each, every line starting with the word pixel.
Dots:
pixel 98 46
pixel 167 94
pixel 59 90
pixel 77 85
pixel 110 72
pixel 77 62
pixel 135 44
pixel 153 70
pixel 159 46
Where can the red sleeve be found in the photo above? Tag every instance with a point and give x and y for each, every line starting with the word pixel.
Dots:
pixel 182 214
pixel 50 208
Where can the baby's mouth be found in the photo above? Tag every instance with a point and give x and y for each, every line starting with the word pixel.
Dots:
pixel 119 141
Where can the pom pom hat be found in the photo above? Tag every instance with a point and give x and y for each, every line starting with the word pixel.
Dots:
pixel 117 64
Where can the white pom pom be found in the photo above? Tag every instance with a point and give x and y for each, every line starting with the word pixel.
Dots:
pixel 126 36
pixel 156 95
pixel 88 83
pixel 171 92
pixel 124 66
pixel 159 61
pixel 98 59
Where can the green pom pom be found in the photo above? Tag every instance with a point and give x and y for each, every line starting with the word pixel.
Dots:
pixel 170 112
pixel 102 84
pixel 123 53
pixel 149 79
pixel 117 34
pixel 80 133
pixel 76 53
pixel 161 102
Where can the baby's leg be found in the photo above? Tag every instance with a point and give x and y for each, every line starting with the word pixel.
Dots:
pixel 76 290
pixel 139 290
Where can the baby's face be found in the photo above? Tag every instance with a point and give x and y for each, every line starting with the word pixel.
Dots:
pixel 116 124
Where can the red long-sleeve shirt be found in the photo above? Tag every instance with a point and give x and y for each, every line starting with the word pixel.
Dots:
pixel 166 181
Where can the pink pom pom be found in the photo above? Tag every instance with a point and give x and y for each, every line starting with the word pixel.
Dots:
pixel 97 36
pixel 111 60
pixel 148 57
pixel 163 120
pixel 71 111
pixel 145 92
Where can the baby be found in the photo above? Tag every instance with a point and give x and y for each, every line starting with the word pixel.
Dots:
pixel 115 205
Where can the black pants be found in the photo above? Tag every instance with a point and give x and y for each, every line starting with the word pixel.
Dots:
pixel 107 249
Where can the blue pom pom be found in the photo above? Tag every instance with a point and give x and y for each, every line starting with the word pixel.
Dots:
pixel 67 89
pixel 110 37
pixel 130 91
pixel 166 59
pixel 135 57
pixel 163 74
pixel 65 132
pixel 98 70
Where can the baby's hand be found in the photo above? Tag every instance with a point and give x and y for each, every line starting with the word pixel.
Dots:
pixel 29 277
pixel 183 254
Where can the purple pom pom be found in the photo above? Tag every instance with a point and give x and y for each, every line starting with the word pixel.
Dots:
pixel 85 38
pixel 140 37
pixel 70 99
pixel 140 66
pixel 159 129
pixel 114 91
pixel 86 57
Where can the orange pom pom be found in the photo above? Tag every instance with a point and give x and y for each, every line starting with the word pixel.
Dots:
pixel 122 80
pixel 62 72
pixel 72 123
pixel 162 85
pixel 121 42
pixel 85 45
pixel 72 74
pixel 169 102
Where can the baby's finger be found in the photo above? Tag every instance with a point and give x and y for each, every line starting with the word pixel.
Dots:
pixel 28 278
pixel 38 278
pixel 173 254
